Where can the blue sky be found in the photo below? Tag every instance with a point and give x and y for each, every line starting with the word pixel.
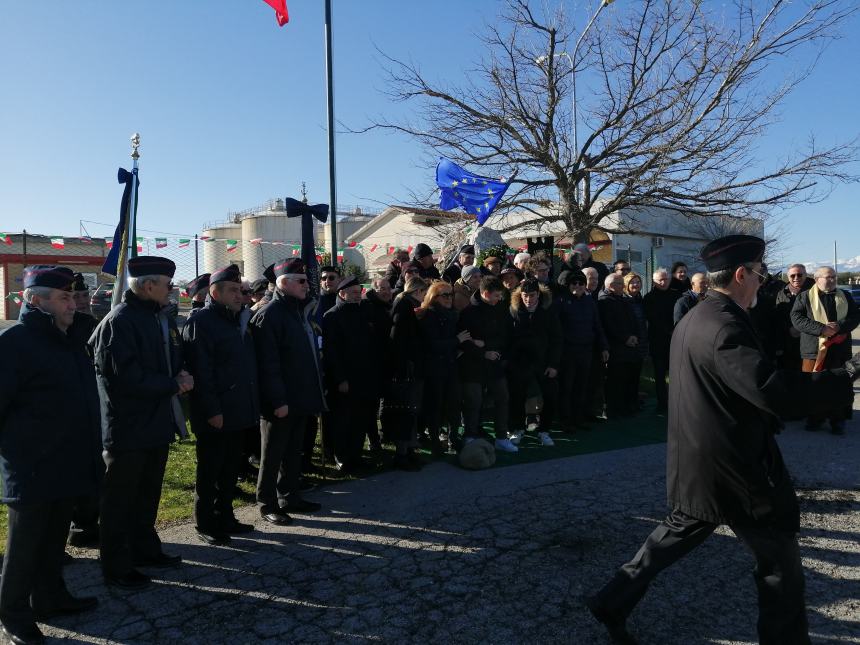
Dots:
pixel 231 109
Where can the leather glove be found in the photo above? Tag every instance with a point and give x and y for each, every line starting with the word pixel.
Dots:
pixel 853 367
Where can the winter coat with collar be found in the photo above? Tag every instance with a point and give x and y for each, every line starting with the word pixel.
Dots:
pixel 659 312
pixel 787 343
pixel 348 347
pixel 491 324
pixel 406 356
pixel 638 305
pixel 810 329
pixel 619 324
pixel 723 463
pixel 580 323
pixel 219 354
pixel 136 380
pixel 684 304
pixel 438 328
pixel 50 439
pixel 536 337
pixel 287 357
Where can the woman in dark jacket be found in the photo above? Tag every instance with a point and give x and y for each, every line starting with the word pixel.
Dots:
pixel 406 366
pixel 622 331
pixel 437 323
pixel 633 293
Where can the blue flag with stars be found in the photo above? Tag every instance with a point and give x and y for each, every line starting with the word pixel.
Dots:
pixel 477 195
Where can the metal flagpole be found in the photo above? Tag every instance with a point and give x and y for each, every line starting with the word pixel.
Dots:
pixel 332 190
pixel 129 240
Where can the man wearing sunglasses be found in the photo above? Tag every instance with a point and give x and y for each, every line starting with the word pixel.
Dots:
pixel 788 341
pixel 291 391
pixel 723 463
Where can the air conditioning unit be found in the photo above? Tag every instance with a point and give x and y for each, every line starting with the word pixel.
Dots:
pixel 657 242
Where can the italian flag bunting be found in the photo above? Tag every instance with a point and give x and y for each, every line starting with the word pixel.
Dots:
pixel 86 239
pixel 184 242
pixel 6 239
pixel 257 241
pixel 281 13
pixel 232 245
pixel 373 248
pixel 140 245
pixel 161 242
pixel 108 243
pixel 58 243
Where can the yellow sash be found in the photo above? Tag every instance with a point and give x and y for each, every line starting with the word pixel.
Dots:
pixel 819 313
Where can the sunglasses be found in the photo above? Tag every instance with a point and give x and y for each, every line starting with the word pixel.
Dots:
pixel 299 280
pixel 625 270
pixel 797 276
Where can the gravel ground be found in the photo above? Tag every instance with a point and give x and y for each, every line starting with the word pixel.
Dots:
pixel 499 556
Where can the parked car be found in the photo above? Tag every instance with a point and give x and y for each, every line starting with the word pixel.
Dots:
pixel 854 290
pixel 101 299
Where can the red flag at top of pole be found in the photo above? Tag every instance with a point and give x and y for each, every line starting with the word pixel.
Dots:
pixel 280 7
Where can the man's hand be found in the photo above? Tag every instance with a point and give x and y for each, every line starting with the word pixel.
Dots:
pixel 464 335
pixel 478 342
pixel 550 372
pixel 829 331
pixel 491 356
pixel 853 367
pixel 343 387
pixel 282 411
pixel 185 382
pixel 605 355
pixel 217 421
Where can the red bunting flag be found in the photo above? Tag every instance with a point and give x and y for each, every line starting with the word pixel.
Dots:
pixel 108 243
pixel 161 242
pixel 184 242
pixel 352 244
pixel 373 248
pixel 280 7
pixel 409 249
pixel 257 240
pixel 58 243
pixel 390 250
pixel 6 239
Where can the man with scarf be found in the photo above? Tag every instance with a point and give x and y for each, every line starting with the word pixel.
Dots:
pixel 825 317
pixel 49 449
pixel 219 353
pixel 138 359
pixel 290 390
pixel 350 375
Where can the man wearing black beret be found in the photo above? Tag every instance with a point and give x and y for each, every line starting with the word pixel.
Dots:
pixel 291 390
pixel 49 449
pixel 219 353
pixel 138 357
pixel 197 290
pixel 723 462
pixel 350 372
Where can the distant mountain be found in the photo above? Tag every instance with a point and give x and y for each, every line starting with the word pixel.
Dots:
pixel 844 265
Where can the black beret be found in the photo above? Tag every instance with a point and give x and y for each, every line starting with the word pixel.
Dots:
pixel 468 248
pixel 574 275
pixel 150 265
pixel 259 285
pixel 422 251
pixel 732 251
pixel 198 284
pixel 80 284
pixel 269 273
pixel 347 282
pixel 227 274
pixel 48 275
pixel 329 269
pixel 289 266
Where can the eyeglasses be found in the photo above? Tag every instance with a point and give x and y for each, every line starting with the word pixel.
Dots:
pixel 761 278
pixel 797 276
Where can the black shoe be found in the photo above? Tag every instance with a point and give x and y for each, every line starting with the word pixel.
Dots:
pixel 236 527
pixel 66 606
pixel 84 539
pixel 23 635
pixel 837 427
pixel 617 627
pixel 275 516
pixel 160 561
pixel 302 506
pixel 812 426
pixel 402 462
pixel 594 418
pixel 134 579
pixel 214 538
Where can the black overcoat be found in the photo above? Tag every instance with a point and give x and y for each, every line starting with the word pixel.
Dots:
pixel 287 363
pixel 219 354
pixel 136 381
pixel 659 311
pixel 491 324
pixel 619 323
pixel 725 402
pixel 810 329
pixel 348 346
pixel 50 442
pixel 536 337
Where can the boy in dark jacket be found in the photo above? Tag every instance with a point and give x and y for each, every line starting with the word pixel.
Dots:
pixel 482 364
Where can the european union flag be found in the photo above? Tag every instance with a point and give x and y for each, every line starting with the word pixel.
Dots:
pixel 477 195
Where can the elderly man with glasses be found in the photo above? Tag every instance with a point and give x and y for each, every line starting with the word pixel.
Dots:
pixel 825 317
pixel 788 338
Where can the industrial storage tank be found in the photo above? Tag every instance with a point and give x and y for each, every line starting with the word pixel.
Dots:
pixel 215 253
pixel 268 226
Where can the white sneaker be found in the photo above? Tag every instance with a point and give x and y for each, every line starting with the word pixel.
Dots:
pixel 505 445
pixel 545 439
pixel 516 437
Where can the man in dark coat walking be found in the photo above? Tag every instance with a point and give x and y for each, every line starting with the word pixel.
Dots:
pixel 49 449
pixel 349 366
pixel 290 391
pixel 138 358
pixel 659 307
pixel 219 353
pixel 724 465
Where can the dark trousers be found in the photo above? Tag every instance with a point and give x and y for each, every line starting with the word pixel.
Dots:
pixel 85 517
pixel 831 361
pixel 219 457
pixel 520 382
pixel 33 565
pixel 622 387
pixel 129 506
pixel 281 459
pixel 661 371
pixel 324 422
pixel 352 414
pixel 441 403
pixel 778 574
pixel 596 383
pixel 472 400
pixel 576 376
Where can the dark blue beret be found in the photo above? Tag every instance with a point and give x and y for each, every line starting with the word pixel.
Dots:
pixel 289 266
pixel 150 265
pixel 227 274
pixel 198 284
pixel 48 275
pixel 731 251
pixel 347 282
pixel 269 273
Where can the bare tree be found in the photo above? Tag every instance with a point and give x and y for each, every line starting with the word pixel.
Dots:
pixel 674 98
